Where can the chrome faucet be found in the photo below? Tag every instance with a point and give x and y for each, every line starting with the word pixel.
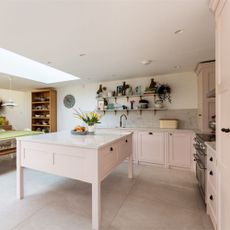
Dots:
pixel 123 115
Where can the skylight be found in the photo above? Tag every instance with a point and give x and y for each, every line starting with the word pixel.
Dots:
pixel 20 66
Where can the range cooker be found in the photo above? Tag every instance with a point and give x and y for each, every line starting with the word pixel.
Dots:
pixel 201 159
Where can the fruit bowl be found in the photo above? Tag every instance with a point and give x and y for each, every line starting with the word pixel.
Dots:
pixel 79 133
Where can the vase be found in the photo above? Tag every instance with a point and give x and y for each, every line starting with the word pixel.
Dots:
pixel 91 129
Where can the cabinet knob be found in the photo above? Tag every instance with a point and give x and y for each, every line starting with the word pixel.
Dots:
pixel 126 141
pixel 150 133
pixel 211 159
pixel 111 148
pixel 199 114
pixel 211 173
pixel 225 130
pixel 170 134
pixel 211 197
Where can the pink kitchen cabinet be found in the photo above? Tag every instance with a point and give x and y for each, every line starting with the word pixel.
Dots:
pixel 206 105
pixel 151 147
pixel 180 149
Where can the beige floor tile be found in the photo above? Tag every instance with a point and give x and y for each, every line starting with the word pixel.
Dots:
pixel 156 198
pixel 188 198
pixel 138 213
pixel 173 177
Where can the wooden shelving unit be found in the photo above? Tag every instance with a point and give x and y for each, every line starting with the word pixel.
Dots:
pixel 44 110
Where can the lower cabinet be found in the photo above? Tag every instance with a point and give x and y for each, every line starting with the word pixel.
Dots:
pixel 172 149
pixel 180 149
pixel 212 186
pixel 169 149
pixel 151 147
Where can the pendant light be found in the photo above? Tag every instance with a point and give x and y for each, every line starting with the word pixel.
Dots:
pixel 9 103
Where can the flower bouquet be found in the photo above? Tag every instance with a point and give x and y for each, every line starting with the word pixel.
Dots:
pixel 90 119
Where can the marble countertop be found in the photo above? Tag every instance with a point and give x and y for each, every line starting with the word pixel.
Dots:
pixel 154 129
pixel 97 141
pixel 211 145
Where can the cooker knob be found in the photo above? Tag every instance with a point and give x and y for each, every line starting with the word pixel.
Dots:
pixel 225 130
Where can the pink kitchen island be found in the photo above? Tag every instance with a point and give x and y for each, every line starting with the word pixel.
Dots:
pixel 88 158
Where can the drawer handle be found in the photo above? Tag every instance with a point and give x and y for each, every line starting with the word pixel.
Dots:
pixel 150 133
pixel 211 197
pixel 111 148
pixel 211 159
pixel 126 141
pixel 211 173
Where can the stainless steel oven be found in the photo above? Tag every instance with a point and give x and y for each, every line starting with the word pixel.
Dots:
pixel 201 160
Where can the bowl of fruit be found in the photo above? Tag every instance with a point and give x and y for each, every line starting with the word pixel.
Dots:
pixel 79 130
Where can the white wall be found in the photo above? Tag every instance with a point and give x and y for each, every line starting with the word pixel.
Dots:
pixel 19 116
pixel 184 96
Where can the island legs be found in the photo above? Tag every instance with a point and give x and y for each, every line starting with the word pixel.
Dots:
pixel 96 205
pixel 130 166
pixel 20 174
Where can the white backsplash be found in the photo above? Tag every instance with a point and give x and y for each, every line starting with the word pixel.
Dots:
pixel 187 118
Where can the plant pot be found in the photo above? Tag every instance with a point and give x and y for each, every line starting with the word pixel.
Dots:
pixel 158 104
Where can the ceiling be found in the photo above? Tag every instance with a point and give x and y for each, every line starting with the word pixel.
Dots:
pixel 115 35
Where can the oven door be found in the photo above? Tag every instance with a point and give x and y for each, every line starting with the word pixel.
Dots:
pixel 200 174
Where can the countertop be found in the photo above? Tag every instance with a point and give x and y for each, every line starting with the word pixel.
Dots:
pixel 154 129
pixel 211 145
pixel 96 141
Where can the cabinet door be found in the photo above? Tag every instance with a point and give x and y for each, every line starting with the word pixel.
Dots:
pixel 180 149
pixel 206 83
pixel 152 147
pixel 223 112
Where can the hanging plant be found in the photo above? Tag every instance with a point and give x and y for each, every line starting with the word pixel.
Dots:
pixel 163 92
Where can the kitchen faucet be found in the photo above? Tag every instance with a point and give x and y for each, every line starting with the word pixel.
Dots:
pixel 123 115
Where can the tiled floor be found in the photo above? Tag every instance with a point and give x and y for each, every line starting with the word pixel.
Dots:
pixel 156 199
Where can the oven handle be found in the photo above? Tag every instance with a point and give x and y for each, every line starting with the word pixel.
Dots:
pixel 196 157
pixel 199 150
pixel 200 165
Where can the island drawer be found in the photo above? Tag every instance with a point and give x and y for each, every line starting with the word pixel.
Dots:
pixel 108 159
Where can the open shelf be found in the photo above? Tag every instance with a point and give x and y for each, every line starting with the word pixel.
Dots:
pixel 40 102
pixel 40 110
pixel 41 118
pixel 128 96
pixel 35 125
pixel 130 110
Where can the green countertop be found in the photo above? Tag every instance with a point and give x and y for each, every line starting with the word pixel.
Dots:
pixel 5 135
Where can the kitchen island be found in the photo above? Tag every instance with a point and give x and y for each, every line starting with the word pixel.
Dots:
pixel 88 158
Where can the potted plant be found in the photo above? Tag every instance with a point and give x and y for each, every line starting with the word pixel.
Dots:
pixel 163 92
pixel 90 119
